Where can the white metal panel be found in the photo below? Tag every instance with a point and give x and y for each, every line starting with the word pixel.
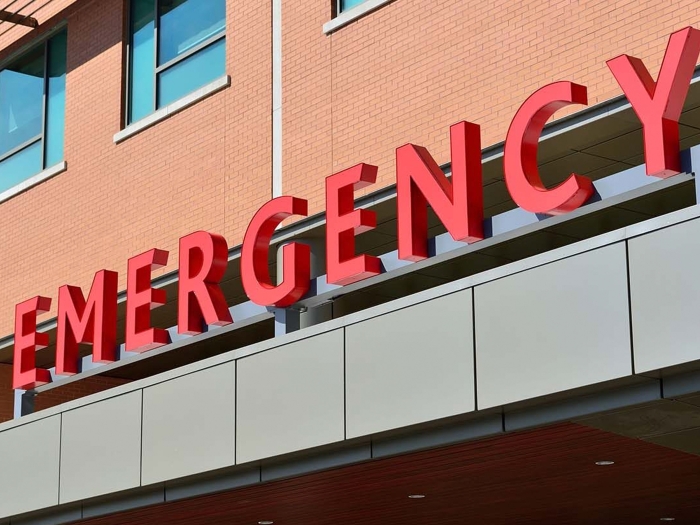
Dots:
pixel 290 398
pixel 29 473
pixel 665 294
pixel 189 424
pixel 556 327
pixel 101 448
pixel 410 366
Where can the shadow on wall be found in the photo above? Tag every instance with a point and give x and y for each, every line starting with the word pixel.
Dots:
pixel 91 31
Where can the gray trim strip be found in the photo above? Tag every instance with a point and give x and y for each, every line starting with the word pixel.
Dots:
pixel 322 460
pixel 175 107
pixel 681 384
pixel 483 426
pixel 141 497
pixel 583 405
pixel 212 482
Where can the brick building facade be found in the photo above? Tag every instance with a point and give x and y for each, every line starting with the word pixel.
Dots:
pixel 309 90
pixel 350 96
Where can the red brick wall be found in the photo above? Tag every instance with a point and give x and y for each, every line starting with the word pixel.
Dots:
pixel 409 70
pixel 401 74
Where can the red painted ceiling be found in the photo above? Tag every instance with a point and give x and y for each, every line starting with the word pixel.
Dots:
pixel 546 476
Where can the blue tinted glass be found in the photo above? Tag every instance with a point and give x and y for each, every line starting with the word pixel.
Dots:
pixel 20 166
pixel 21 100
pixel 142 60
pixel 349 4
pixel 186 23
pixel 192 73
pixel 56 101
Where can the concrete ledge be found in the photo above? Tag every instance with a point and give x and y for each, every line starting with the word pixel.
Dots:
pixel 33 181
pixel 171 109
pixel 353 14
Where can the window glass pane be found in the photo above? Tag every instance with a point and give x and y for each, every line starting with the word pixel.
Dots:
pixel 185 23
pixel 21 100
pixel 56 100
pixel 192 73
pixel 20 166
pixel 349 4
pixel 142 60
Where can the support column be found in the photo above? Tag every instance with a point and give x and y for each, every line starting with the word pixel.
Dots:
pixel 291 319
pixel 690 163
pixel 24 403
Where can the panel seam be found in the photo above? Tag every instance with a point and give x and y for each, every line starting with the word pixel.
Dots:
pixel 60 447
pixel 345 387
pixel 141 442
pixel 629 303
pixel 235 411
pixel 476 399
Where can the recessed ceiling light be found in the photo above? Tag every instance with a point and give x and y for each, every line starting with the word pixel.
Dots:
pixel 667 519
pixel 604 463
pixel 265 522
pixel 416 496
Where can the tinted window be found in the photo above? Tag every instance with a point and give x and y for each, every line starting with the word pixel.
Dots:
pixel 22 101
pixel 190 49
pixel 185 24
pixel 32 111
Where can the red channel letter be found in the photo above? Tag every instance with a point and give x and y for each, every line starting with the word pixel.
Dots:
pixel 25 374
pixel 255 272
pixel 141 299
pixel 203 260
pixel 93 321
pixel 343 222
pixel 659 104
pixel 520 153
pixel 420 181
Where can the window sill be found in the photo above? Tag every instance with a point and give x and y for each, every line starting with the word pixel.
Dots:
pixel 175 107
pixel 353 14
pixel 33 181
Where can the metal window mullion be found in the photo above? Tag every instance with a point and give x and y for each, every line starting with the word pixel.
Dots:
pixel 156 46
pixel 196 49
pixel 22 146
pixel 129 60
pixel 45 103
